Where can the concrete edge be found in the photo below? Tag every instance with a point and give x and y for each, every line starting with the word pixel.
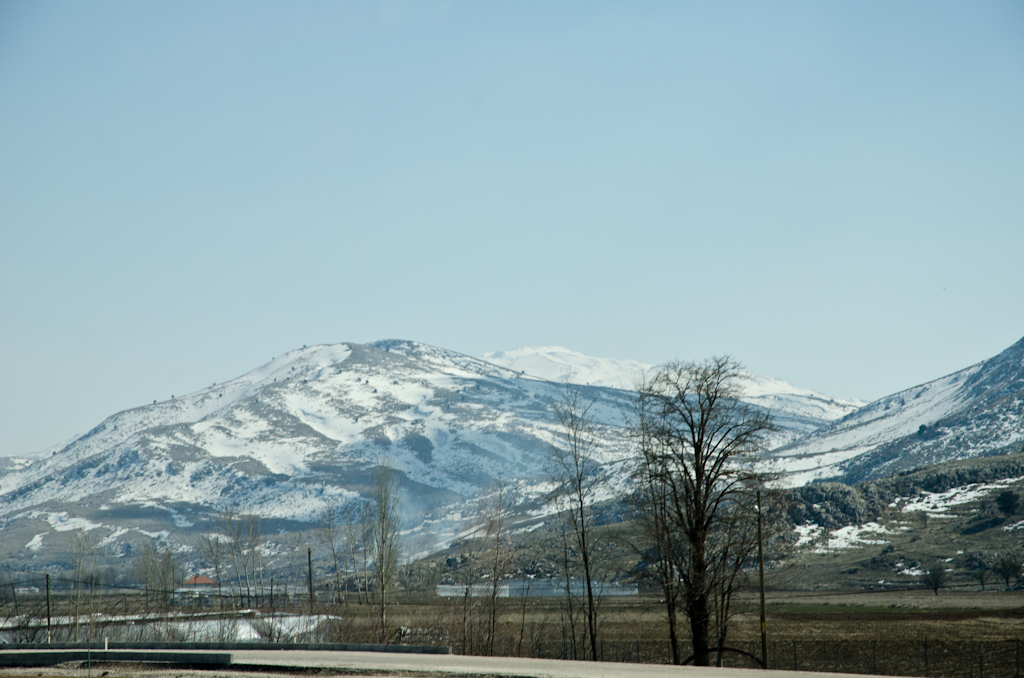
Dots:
pixel 57 656
pixel 177 647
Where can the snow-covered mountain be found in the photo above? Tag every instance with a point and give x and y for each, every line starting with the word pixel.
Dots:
pixel 293 436
pixel 305 430
pixel 974 412
pixel 797 410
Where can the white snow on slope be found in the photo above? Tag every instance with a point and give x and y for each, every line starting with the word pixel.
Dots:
pixel 777 395
pixel 939 503
pixel 556 363
pixel 976 411
pixel 287 437
pixel 848 537
pixel 189 409
pixel 798 410
pixel 817 455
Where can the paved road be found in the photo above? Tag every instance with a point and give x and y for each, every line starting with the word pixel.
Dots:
pixel 496 666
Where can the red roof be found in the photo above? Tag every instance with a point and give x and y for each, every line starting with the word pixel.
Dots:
pixel 200 580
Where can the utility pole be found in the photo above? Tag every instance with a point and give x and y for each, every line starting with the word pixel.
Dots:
pixel 49 636
pixel 309 557
pixel 760 563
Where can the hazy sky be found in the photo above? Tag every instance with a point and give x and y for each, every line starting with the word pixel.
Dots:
pixel 831 192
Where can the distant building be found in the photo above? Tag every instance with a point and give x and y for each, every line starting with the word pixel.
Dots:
pixel 199 589
pixel 199 582
pixel 544 588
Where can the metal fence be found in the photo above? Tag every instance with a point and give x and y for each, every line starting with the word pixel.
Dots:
pixel 931 658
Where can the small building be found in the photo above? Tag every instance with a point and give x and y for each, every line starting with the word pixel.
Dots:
pixel 200 582
pixel 197 590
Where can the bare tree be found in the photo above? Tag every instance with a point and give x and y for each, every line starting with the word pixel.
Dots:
pixel 354 541
pixel 656 542
pixel 211 542
pixel 571 612
pixel 366 529
pixel 982 571
pixel 294 544
pixel 497 509
pixel 386 517
pixel 243 532
pixel 468 577
pixel 935 577
pixel 1008 567
pixel 157 568
pixel 330 535
pixel 83 563
pixel 575 473
pixel 703 443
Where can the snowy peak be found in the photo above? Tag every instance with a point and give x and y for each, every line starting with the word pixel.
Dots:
pixel 781 396
pixel 797 410
pixel 556 363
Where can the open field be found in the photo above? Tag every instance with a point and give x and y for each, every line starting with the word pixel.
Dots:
pixel 959 633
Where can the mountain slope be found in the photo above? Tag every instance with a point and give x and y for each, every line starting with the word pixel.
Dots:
pixel 973 412
pixel 797 410
pixel 294 436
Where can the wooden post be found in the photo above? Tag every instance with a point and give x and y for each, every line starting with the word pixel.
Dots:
pixel 309 556
pixel 14 593
pixel 271 596
pixel 49 637
pixel 760 564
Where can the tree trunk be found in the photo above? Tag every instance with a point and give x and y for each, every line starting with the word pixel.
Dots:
pixel 673 634
pixel 697 609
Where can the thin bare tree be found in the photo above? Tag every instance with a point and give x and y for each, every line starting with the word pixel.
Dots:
pixel 354 542
pixel 500 553
pixel 468 576
pixel 330 533
pixel 575 473
pixel 211 542
pixel 243 532
pixel 83 559
pixel 385 549
pixel 655 542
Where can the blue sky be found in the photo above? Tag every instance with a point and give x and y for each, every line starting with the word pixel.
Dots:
pixel 832 192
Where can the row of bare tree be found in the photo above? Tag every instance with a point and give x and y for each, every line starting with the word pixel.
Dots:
pixel 362 542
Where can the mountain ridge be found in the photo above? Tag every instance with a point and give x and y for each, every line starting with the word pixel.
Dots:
pixel 304 431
